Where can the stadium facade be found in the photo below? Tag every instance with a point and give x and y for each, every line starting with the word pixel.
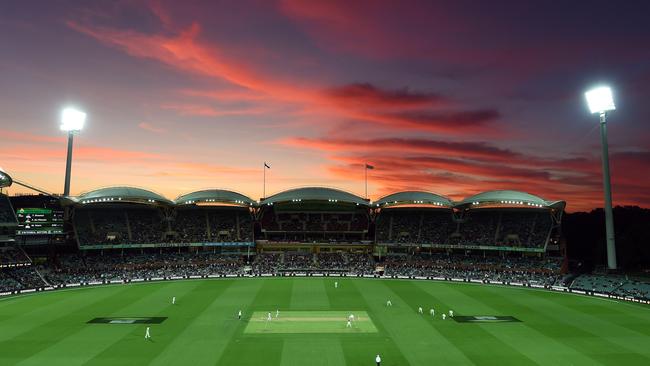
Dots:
pixel 314 217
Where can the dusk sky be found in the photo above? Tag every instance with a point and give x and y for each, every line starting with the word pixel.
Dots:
pixel 453 97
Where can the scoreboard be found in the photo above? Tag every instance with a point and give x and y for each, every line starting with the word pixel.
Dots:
pixel 39 221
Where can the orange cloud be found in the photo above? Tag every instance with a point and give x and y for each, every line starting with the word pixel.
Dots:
pixel 459 169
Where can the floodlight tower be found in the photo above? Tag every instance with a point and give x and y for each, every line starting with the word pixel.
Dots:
pixel 600 101
pixel 72 121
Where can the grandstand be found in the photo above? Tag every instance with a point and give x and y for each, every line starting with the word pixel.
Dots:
pixel 314 215
pixel 8 222
pixel 127 217
pixel 503 220
pixel 127 233
pixel 414 217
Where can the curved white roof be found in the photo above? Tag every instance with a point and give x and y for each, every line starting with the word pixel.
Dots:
pixel 508 197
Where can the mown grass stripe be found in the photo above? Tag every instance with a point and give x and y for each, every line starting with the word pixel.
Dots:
pixel 132 348
pixel 307 351
pixel 309 294
pixel 92 340
pixel 522 337
pixel 637 321
pixel 209 333
pixel 274 294
pixel 471 340
pixel 45 334
pixel 418 343
pixel 33 311
pixel 556 324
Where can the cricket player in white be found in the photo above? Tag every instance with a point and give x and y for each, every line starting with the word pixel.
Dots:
pixel 420 310
pixel 147 335
pixel 451 313
pixel 389 303
pixel 378 360
pixel 443 316
pixel 432 312
pixel 239 315
pixel 336 284
pixel 173 300
pixel 351 317
pixel 349 324
pixel 269 317
pixel 277 313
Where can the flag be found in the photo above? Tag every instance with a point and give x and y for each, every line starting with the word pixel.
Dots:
pixel 266 165
pixel 368 166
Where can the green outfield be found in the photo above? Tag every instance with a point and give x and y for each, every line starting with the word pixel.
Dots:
pixel 500 325
pixel 310 322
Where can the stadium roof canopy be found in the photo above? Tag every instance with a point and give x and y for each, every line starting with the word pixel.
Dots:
pixel 122 194
pixel 215 196
pixel 413 198
pixel 5 179
pixel 509 198
pixel 315 194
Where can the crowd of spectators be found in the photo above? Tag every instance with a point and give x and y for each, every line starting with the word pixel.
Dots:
pixel 7 214
pixel 11 256
pixel 360 263
pixel 520 228
pixel 19 278
pixel 190 225
pixel 334 261
pixel 148 225
pixel 305 222
pixel 494 269
pixel 74 268
pixel 267 263
pixel 331 262
pixel 612 284
pixel 78 268
pixel 633 288
pixel 298 261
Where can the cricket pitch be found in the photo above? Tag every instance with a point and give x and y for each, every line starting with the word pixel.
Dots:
pixel 309 322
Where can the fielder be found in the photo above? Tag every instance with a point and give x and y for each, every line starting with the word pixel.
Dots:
pixel 420 310
pixel 451 313
pixel 389 303
pixel 277 313
pixel 269 317
pixel 173 300
pixel 336 284
pixel 349 324
pixel 147 335
pixel 432 312
pixel 239 315
pixel 444 316
pixel 378 360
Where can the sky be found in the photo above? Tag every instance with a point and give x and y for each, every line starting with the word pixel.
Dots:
pixel 449 97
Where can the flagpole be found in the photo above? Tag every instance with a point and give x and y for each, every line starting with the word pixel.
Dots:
pixel 365 166
pixel 264 187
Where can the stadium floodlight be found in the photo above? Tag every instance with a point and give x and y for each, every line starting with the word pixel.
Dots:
pixel 600 100
pixel 72 121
